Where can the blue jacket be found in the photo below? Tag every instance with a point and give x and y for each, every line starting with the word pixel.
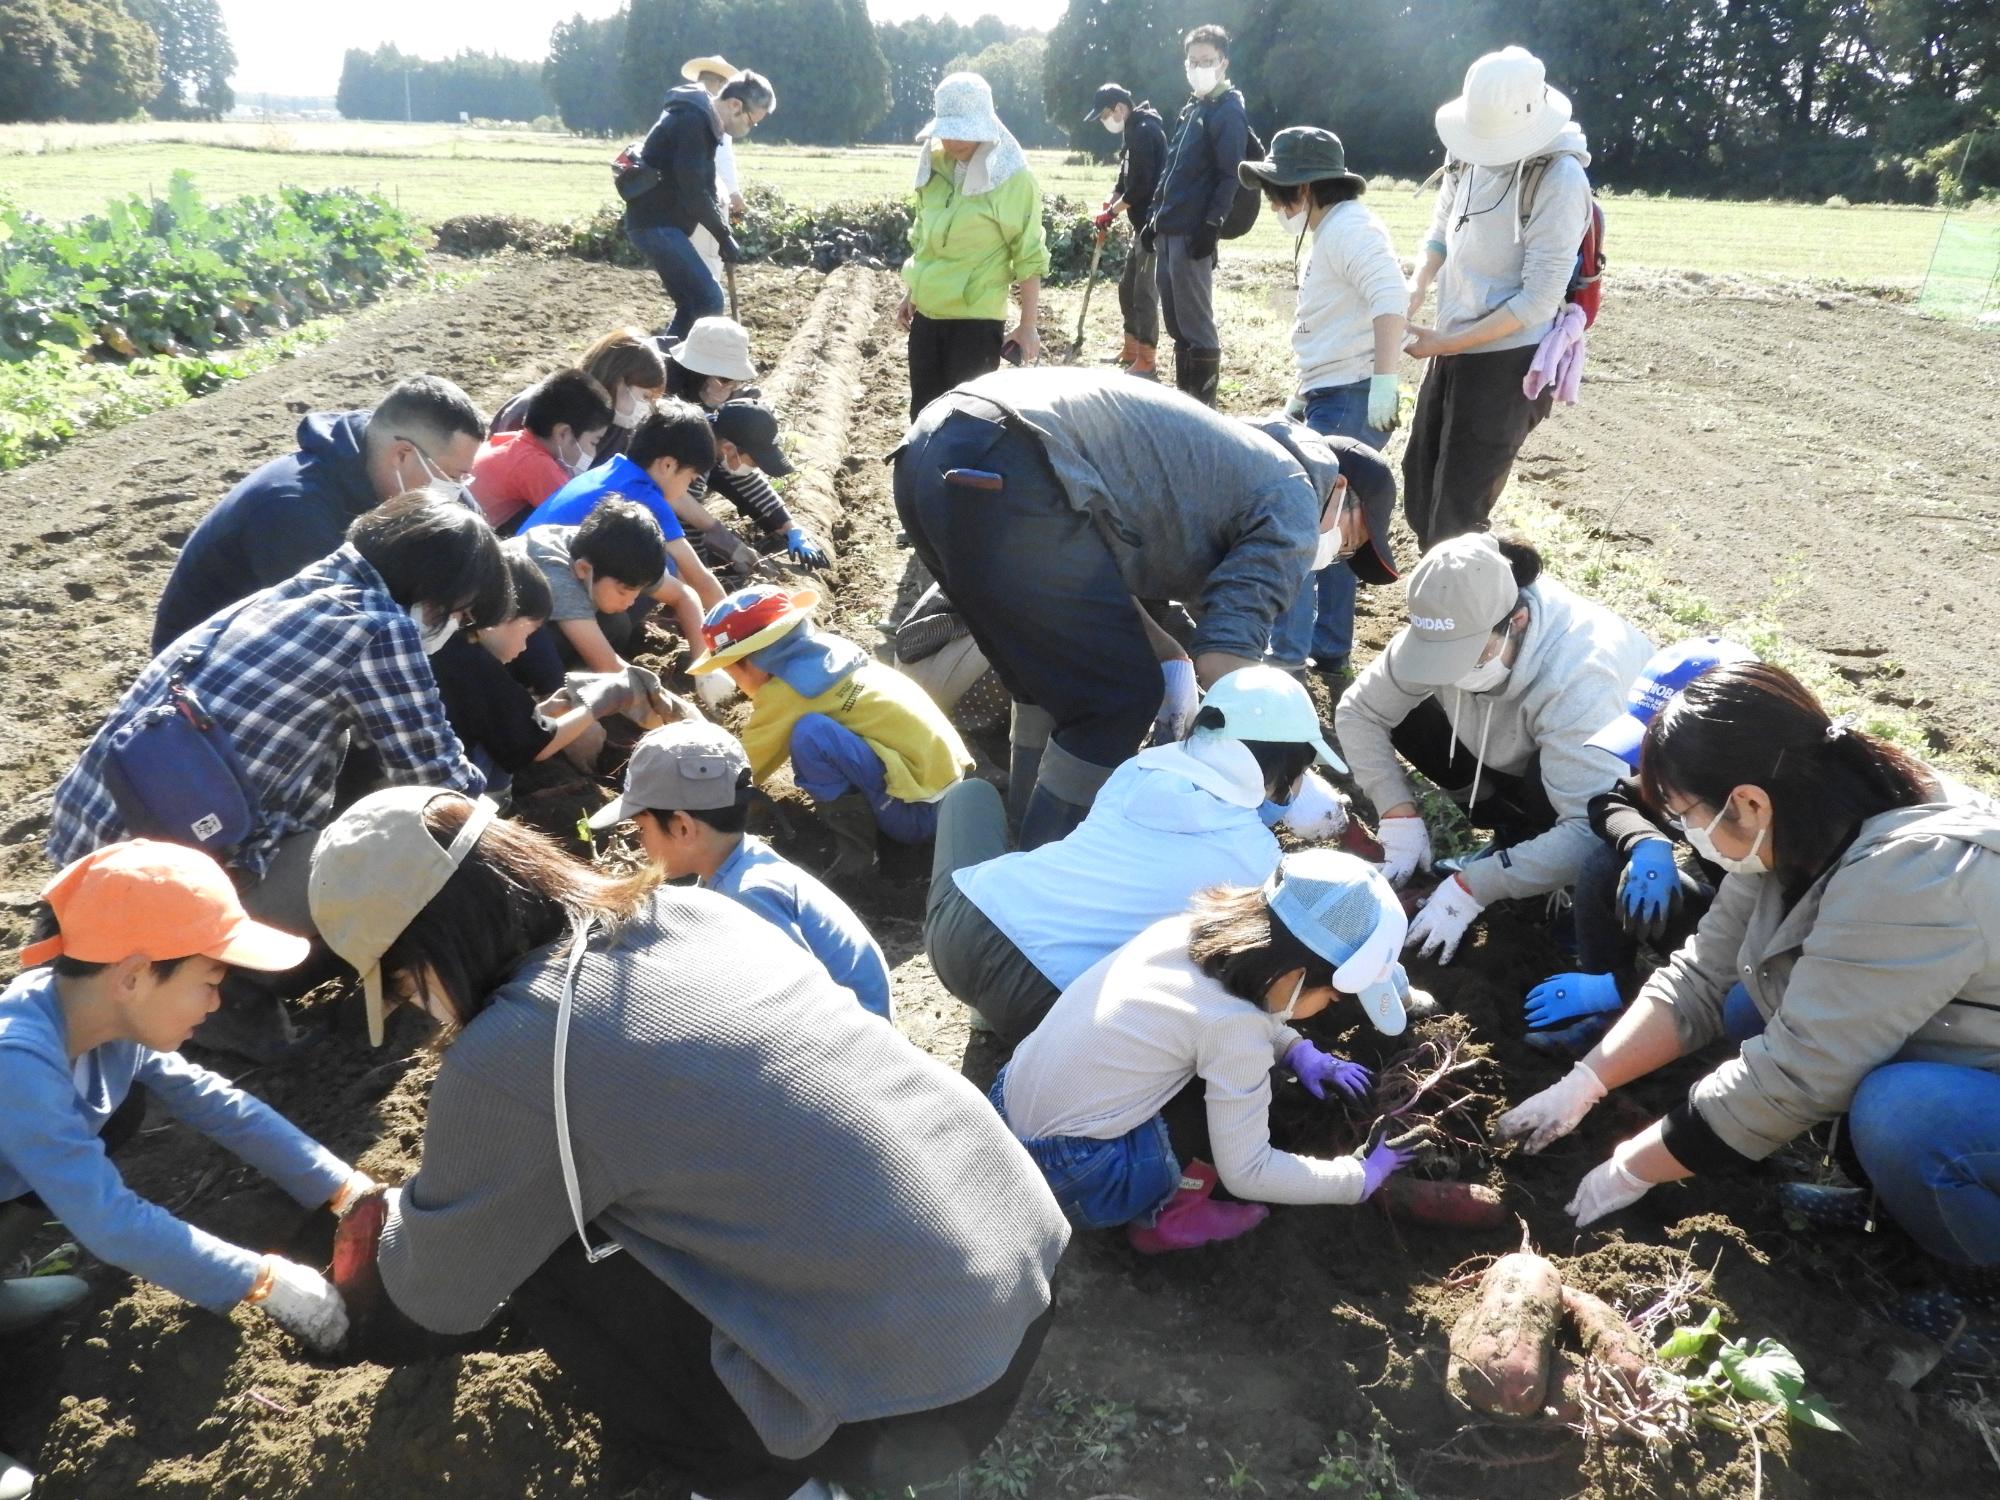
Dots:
pixel 811 916
pixel 617 478
pixel 293 511
pixel 52 1110
pixel 1200 183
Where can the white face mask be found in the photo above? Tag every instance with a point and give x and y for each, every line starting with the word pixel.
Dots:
pixel 631 409
pixel 1294 220
pixel 1749 864
pixel 741 470
pixel 435 637
pixel 1116 127
pixel 444 484
pixel 1292 1004
pixel 1204 79
pixel 575 465
pixel 1490 673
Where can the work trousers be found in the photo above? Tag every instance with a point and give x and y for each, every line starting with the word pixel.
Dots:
pixel 972 958
pixel 1139 295
pixel 1187 293
pixel 1319 627
pixel 947 352
pixel 1031 577
pixel 644 1360
pixel 1515 807
pixel 1471 420
pixel 830 760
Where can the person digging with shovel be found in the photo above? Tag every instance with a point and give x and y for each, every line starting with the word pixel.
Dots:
pixel 1140 162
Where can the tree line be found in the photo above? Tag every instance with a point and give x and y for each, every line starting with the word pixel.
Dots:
pixel 389 84
pixel 109 59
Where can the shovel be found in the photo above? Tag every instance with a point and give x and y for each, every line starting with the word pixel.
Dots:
pixel 1096 254
pixel 730 272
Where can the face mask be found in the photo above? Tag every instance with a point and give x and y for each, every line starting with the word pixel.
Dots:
pixel 1294 220
pixel 1203 80
pixel 1750 864
pixel 435 637
pixel 739 471
pixel 1116 127
pixel 1488 675
pixel 1329 547
pixel 1292 1004
pixel 444 484
pixel 631 409
pixel 575 465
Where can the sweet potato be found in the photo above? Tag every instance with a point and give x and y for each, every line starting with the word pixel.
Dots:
pixel 1500 1348
pixel 1606 1337
pixel 1441 1205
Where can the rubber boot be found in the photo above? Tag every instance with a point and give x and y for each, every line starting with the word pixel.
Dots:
pixel 1124 356
pixel 1190 1220
pixel 1204 374
pixel 1145 363
pixel 27 1301
pixel 16 1482
pixel 1048 818
pixel 1027 735
pixel 1182 370
pixel 851 821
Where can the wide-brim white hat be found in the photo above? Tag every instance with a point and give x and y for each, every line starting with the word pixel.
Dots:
pixel 964 111
pixel 1507 113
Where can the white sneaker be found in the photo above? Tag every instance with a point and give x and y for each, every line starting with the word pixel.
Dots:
pixel 16 1483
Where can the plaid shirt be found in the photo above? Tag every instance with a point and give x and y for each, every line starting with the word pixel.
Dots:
pixel 293 674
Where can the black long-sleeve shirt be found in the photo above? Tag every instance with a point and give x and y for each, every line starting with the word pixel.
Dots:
pixel 1142 161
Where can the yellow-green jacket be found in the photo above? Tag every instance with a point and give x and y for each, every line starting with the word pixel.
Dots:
pixel 968 249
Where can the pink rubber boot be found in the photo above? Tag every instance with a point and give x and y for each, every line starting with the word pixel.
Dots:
pixel 1190 1221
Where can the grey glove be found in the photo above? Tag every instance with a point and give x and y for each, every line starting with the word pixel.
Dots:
pixel 603 693
pixel 736 554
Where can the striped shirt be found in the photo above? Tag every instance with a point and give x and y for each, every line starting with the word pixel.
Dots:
pixel 295 675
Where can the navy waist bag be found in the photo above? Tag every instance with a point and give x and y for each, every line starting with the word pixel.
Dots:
pixel 175 775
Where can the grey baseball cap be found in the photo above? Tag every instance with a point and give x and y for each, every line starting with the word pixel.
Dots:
pixel 690 767
pixel 1459 593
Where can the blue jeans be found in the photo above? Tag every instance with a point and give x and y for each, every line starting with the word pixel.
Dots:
pixel 681 271
pixel 1928 1135
pixel 1320 622
pixel 1102 1184
pixel 1741 1019
pixel 830 760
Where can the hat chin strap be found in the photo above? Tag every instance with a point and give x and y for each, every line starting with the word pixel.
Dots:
pixel 484 810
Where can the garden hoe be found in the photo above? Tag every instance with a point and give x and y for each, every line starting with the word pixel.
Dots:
pixel 730 272
pixel 1096 254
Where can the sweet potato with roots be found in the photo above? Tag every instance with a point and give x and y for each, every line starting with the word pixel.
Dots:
pixel 1441 1205
pixel 1606 1337
pixel 1501 1347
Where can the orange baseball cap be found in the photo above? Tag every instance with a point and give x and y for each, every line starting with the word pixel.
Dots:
pixel 162 901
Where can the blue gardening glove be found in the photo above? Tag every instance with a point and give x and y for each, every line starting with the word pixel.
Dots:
pixel 1385 402
pixel 1564 997
pixel 805 548
pixel 1649 890
pixel 1316 1069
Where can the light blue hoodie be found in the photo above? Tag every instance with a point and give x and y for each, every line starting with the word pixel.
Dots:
pixel 1171 821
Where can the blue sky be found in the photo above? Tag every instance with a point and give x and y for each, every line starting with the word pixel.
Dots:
pixel 275 54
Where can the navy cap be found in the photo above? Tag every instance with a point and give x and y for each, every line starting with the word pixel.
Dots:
pixel 1107 96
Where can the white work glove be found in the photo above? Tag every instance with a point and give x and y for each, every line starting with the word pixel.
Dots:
pixel 1178 705
pixel 1385 402
pixel 1437 930
pixel 1555 1111
pixel 304 1304
pixel 1317 811
pixel 1406 848
pixel 714 689
pixel 1608 1187
pixel 358 1185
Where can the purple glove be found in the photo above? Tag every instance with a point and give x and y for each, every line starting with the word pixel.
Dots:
pixel 1316 1069
pixel 1379 1165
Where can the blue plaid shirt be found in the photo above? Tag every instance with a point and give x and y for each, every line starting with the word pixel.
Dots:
pixel 294 674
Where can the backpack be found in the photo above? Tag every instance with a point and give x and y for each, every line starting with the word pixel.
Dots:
pixel 1586 288
pixel 1242 215
pixel 632 177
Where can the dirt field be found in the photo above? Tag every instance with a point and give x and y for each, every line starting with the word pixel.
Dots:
pixel 1231 1371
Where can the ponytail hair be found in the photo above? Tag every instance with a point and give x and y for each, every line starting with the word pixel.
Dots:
pixel 1750 723
pixel 1522 556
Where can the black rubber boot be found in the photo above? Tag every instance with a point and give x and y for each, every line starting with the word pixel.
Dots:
pixel 1200 373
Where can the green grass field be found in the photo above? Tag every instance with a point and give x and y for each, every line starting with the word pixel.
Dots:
pixel 437 171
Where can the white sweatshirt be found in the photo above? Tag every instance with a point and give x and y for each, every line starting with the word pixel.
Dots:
pixel 1351 278
pixel 1127 1037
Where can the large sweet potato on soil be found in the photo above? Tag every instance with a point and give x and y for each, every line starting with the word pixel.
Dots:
pixel 1500 1348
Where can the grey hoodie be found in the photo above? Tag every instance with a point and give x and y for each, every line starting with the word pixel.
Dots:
pixel 1893 955
pixel 1576 661
pixel 1492 259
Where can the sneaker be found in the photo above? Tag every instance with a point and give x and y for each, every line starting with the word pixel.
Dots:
pixel 1573 1040
pixel 1190 1220
pixel 16 1483
pixel 27 1302
pixel 1808 1205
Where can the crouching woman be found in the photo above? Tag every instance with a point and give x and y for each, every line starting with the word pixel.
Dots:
pixel 836 1263
pixel 1209 994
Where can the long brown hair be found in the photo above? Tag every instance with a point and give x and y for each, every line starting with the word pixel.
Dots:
pixel 625 356
pixel 1753 724
pixel 516 892
pixel 1235 940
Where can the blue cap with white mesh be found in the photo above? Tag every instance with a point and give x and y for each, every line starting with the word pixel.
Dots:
pixel 1265 704
pixel 1668 671
pixel 1339 906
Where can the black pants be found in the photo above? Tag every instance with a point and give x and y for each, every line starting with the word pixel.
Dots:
pixel 1471 420
pixel 1032 578
pixel 945 352
pixel 1516 808
pixel 641 1354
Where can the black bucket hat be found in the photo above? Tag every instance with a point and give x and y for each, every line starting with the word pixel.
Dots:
pixel 1300 154
pixel 1107 96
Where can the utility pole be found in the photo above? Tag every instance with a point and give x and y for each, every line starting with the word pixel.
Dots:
pixel 407 117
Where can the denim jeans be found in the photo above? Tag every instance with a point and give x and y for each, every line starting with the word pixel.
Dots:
pixel 679 266
pixel 1603 946
pixel 1320 623
pixel 1928 1135
pixel 830 760
pixel 1102 1184
pixel 1741 1019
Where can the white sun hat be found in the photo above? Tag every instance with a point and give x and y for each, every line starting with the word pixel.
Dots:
pixel 963 111
pixel 1507 113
